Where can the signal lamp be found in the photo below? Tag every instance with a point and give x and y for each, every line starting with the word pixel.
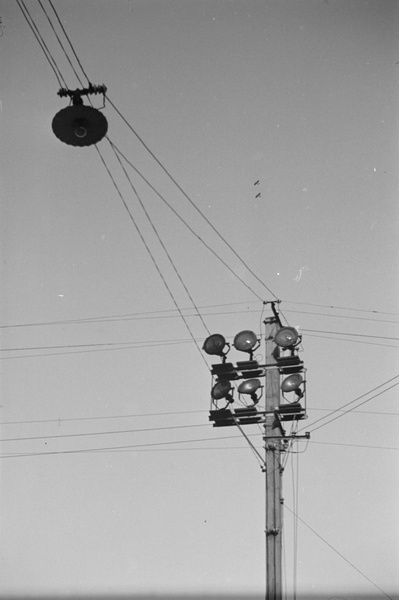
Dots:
pixel 214 344
pixel 250 387
pixel 246 341
pixel 286 337
pixel 221 390
pixel 292 383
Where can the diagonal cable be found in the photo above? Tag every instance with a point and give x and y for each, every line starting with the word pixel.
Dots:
pixel 151 255
pixel 170 176
pixel 159 238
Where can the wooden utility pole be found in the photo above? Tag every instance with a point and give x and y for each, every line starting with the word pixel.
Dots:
pixel 273 470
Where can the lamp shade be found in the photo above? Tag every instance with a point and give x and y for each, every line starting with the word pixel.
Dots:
pixel 80 125
pixel 286 337
pixel 221 389
pixel 245 341
pixel 214 344
pixel 250 386
pixel 291 383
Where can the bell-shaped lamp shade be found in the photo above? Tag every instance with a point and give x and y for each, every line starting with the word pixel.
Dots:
pixel 250 386
pixel 214 344
pixel 292 383
pixel 286 337
pixel 245 341
pixel 80 125
pixel 221 389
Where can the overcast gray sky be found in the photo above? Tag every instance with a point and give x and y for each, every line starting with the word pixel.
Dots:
pixel 300 95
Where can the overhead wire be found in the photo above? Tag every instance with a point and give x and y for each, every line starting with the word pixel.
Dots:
pixel 172 262
pixel 157 342
pixel 69 41
pixel 351 409
pixel 94 433
pixel 29 19
pixel 342 308
pixel 151 255
pixel 144 448
pixel 60 420
pixel 342 414
pixel 152 314
pixel 184 221
pixel 179 187
pixel 339 553
pixel 60 42
pixel 257 455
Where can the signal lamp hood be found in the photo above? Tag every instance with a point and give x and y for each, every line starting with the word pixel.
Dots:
pixel 250 387
pixel 214 344
pixel 286 337
pixel 221 390
pixel 245 341
pixel 292 383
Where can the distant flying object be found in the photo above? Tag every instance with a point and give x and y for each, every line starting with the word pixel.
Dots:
pixel 256 182
pixel 257 195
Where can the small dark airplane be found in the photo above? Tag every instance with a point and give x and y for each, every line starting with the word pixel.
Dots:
pixel 257 195
pixel 256 182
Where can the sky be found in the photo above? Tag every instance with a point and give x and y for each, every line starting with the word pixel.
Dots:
pixel 113 481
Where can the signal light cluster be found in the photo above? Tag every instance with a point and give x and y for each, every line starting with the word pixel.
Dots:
pixel 250 389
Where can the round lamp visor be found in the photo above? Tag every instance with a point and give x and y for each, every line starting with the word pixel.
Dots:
pixel 291 383
pixel 250 386
pixel 221 390
pixel 245 341
pixel 286 337
pixel 214 344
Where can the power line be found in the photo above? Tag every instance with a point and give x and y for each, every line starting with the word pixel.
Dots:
pixel 355 445
pixel 29 19
pixel 339 553
pixel 184 221
pixel 60 420
pixel 150 253
pixel 351 317
pixel 92 433
pixel 351 402
pixel 381 337
pixel 157 313
pixel 150 342
pixel 160 239
pixel 109 448
pixel 338 339
pixel 61 44
pixel 126 347
pixel 159 446
pixel 377 312
pixel 350 409
pixel 169 175
pixel 67 419
pixel 69 41
pixel 95 344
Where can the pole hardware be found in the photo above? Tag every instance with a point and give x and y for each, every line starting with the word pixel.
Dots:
pixel 272 531
pixel 76 95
